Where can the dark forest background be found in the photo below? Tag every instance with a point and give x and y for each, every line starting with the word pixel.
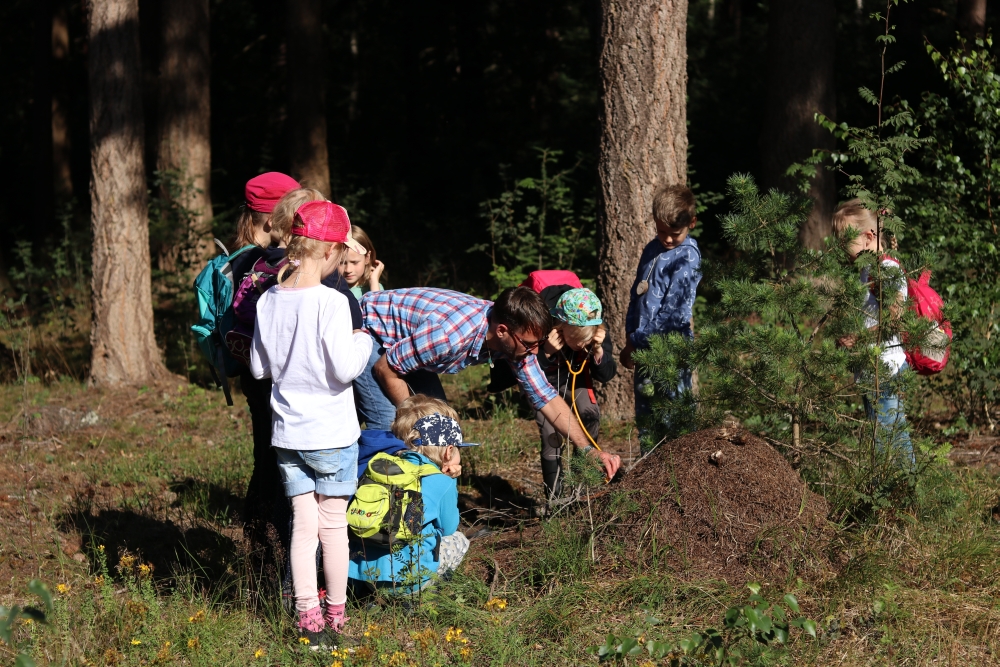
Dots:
pixel 425 103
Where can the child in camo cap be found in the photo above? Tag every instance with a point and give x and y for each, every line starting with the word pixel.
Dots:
pixel 577 340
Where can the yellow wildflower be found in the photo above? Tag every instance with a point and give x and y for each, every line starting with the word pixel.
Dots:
pixel 99 580
pixel 144 570
pixel 126 561
pixel 466 653
pixel 259 653
pixel 304 640
pixel 194 643
pixel 453 635
pixel 62 588
pixel 339 654
pixel 136 642
pixel 496 604
pixel 26 621
pixel 397 659
pixel 100 547
pixel 198 617
pixel 336 663
pixel 425 638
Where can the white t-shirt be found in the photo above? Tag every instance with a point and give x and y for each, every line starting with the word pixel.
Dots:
pixel 892 350
pixel 304 342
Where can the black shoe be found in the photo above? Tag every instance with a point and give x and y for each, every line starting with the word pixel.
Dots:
pixel 316 641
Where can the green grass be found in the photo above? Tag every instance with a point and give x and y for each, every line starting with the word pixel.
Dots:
pixel 161 477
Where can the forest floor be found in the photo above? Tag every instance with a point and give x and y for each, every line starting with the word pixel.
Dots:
pixel 126 503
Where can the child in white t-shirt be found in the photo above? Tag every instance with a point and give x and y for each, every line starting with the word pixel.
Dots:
pixel 303 340
pixel 884 407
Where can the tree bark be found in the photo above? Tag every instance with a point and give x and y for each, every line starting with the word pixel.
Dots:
pixel 800 82
pixel 971 18
pixel 643 145
pixel 184 129
pixel 41 222
pixel 123 345
pixel 307 145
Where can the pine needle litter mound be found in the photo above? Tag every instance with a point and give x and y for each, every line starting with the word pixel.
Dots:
pixel 718 502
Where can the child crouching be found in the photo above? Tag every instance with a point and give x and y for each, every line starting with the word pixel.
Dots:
pixel 425 433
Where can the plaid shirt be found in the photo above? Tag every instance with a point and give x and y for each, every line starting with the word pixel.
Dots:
pixel 443 332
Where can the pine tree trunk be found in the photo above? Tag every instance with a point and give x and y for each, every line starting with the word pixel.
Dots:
pixel 184 132
pixel 306 95
pixel 41 111
pixel 971 18
pixel 800 82
pixel 123 346
pixel 62 172
pixel 643 146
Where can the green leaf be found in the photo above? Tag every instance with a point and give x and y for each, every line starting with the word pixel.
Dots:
pixel 24 660
pixel 37 587
pixel 754 587
pixel 809 626
pixel 791 602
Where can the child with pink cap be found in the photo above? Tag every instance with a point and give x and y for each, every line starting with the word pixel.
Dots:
pixel 303 340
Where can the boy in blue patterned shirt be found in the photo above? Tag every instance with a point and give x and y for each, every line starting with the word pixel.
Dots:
pixel 662 296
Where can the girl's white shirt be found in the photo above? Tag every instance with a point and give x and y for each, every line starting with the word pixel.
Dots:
pixel 892 350
pixel 304 342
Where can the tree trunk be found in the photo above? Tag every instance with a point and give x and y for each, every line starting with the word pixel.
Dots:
pixel 971 18
pixel 306 95
pixel 643 145
pixel 184 155
pixel 41 220
pixel 800 82
pixel 62 172
pixel 123 346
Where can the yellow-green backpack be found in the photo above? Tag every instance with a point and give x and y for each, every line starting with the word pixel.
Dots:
pixel 388 506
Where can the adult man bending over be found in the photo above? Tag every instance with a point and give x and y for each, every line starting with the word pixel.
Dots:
pixel 422 332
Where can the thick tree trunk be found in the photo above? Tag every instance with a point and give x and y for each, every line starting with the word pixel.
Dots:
pixel 307 145
pixel 971 18
pixel 41 222
pixel 184 133
pixel 800 82
pixel 124 348
pixel 643 145
pixel 62 172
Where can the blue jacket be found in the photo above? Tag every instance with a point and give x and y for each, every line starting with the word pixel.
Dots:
pixel 374 441
pixel 412 566
pixel 667 305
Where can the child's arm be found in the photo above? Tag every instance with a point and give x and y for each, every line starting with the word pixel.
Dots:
pixel 260 365
pixel 347 352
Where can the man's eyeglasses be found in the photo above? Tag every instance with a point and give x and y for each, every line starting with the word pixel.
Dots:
pixel 529 346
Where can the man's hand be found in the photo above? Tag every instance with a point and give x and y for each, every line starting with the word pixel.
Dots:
pixel 611 462
pixel 847 341
pixel 626 356
pixel 553 342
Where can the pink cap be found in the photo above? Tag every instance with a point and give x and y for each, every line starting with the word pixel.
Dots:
pixel 325 221
pixel 263 192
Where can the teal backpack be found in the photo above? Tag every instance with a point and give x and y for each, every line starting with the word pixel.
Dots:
pixel 214 287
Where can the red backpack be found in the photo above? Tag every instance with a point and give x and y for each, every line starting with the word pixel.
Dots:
pixel 539 280
pixel 927 303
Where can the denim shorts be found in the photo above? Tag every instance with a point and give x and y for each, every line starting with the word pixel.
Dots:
pixel 328 472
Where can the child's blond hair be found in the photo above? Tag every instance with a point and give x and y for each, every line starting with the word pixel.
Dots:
pixel 673 206
pixel 409 411
pixel 301 247
pixel 284 211
pixel 853 214
pixel 362 237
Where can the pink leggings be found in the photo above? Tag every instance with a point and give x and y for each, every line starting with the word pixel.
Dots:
pixel 317 518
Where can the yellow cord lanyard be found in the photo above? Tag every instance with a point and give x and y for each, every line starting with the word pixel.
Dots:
pixel 572 393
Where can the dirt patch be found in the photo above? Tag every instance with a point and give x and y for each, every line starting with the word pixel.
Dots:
pixel 718 502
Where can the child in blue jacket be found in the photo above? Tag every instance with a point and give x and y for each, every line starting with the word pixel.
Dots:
pixel 425 431
pixel 662 297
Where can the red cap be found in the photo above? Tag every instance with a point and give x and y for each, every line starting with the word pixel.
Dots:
pixel 325 221
pixel 263 192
